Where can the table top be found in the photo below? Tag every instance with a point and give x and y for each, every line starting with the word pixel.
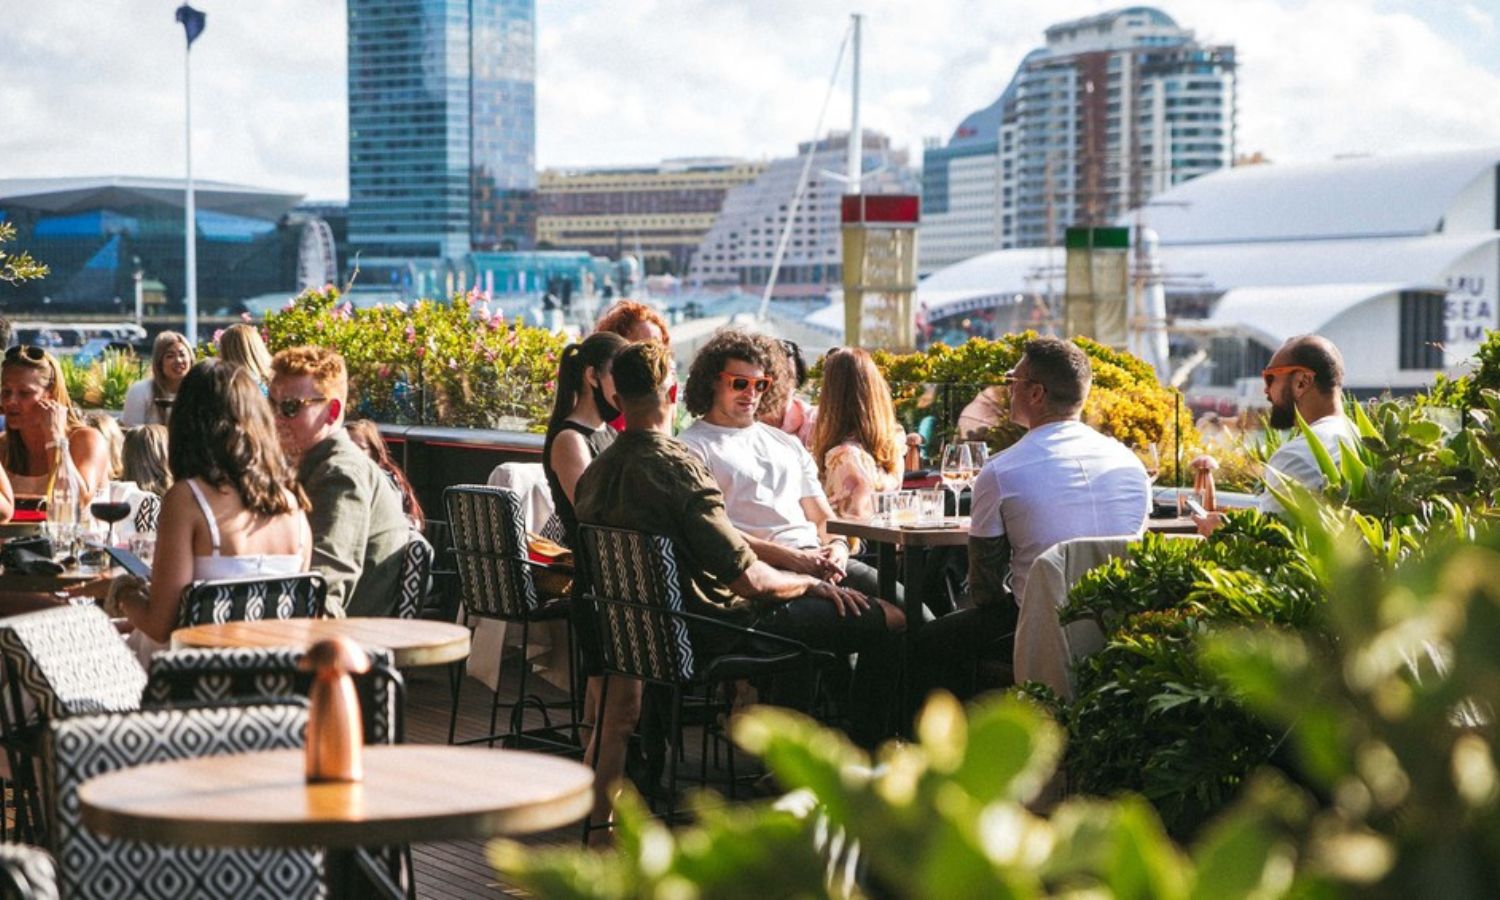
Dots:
pixel 413 642
pixel 955 533
pixel 410 793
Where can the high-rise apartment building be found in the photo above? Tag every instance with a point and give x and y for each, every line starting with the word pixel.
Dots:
pixel 1114 109
pixel 442 127
pixel 659 213
pixel 740 248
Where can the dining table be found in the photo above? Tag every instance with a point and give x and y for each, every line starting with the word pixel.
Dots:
pixel 412 642
pixel 409 793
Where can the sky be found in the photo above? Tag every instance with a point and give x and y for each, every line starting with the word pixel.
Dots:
pixel 94 87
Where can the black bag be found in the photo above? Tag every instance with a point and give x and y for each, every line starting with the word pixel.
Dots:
pixel 29 556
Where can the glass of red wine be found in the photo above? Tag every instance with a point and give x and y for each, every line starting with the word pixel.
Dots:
pixel 110 511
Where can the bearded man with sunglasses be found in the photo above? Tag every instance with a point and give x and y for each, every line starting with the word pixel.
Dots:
pixel 359 530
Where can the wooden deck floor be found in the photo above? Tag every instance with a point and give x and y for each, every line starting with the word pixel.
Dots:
pixel 459 869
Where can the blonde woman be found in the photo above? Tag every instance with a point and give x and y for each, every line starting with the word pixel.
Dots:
pixel 38 417
pixel 857 442
pixel 241 345
pixel 149 401
pixel 114 439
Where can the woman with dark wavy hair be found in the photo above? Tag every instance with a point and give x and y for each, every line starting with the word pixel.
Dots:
pixel 235 509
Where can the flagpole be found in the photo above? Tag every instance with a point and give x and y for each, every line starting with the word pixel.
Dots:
pixel 190 224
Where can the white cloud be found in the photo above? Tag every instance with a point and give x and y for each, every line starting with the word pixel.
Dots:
pixel 94 87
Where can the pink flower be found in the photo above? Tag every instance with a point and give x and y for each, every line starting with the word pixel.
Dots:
pixel 550 386
pixel 411 335
pixel 385 371
pixel 218 333
pixel 421 352
pixel 244 317
pixel 328 288
pixel 452 364
pixel 489 356
pixel 400 307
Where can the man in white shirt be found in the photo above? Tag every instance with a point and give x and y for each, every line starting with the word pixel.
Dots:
pixel 771 488
pixel 1305 376
pixel 1062 480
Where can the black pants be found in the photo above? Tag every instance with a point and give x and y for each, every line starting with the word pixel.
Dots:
pixel 949 647
pixel 873 690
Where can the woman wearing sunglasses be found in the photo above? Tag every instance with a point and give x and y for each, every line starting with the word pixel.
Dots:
pixel 235 509
pixel 149 401
pixel 39 420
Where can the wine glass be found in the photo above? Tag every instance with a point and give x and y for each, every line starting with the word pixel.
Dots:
pixel 957 469
pixel 110 511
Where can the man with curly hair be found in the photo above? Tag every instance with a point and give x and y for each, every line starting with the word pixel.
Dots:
pixel 770 482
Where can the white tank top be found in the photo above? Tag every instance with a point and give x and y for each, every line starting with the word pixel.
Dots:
pixel 216 566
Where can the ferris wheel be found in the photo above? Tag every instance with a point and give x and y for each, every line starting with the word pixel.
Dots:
pixel 317 263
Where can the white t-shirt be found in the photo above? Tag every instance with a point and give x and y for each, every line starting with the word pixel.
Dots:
pixel 764 474
pixel 1060 481
pixel 140 406
pixel 1293 460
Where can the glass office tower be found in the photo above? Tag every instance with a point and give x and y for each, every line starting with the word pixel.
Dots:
pixel 442 126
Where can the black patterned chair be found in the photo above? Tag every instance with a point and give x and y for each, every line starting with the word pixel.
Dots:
pixel 92 865
pixel 195 677
pixel 298 596
pixel 416 576
pixel 488 532
pixel 59 662
pixel 636 592
pixel 26 873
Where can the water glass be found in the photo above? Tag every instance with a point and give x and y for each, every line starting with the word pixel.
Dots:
pixel 143 546
pixel 885 508
pixel 905 510
pixel 930 506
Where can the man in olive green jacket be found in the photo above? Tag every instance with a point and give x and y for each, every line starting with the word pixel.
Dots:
pixel 359 531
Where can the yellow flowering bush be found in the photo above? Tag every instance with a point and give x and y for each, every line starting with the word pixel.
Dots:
pixel 1126 401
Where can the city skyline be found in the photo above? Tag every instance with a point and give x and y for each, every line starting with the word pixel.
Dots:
pixel 649 80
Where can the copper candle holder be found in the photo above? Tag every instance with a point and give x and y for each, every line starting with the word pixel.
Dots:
pixel 335 730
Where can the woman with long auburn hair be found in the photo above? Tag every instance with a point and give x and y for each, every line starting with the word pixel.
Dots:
pixel 235 509
pixel 857 442
pixel 366 436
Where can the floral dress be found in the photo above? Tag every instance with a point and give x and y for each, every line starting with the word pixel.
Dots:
pixel 852 478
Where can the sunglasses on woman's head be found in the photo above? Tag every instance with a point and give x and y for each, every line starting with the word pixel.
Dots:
pixel 290 406
pixel 31 352
pixel 741 382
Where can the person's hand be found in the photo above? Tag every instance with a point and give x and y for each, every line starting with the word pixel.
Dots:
pixel 810 562
pixel 845 600
pixel 56 416
pixel 126 591
pixel 837 553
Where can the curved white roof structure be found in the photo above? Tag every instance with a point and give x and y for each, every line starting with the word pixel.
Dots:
pixel 1271 315
pixel 1385 196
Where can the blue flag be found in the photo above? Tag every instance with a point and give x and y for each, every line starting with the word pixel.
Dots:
pixel 192 22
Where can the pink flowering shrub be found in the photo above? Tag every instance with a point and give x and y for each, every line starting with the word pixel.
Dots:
pixel 454 363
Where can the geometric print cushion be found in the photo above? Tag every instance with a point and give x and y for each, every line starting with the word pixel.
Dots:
pixel 644 640
pixel 416 569
pixel 71 660
pixel 27 872
pixel 93 865
pixel 191 676
pixel 252 599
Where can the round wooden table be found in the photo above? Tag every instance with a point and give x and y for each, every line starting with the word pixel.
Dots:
pixel 413 642
pixel 410 793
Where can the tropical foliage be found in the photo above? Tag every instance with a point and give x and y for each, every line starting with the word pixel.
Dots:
pixel 17 267
pixel 441 363
pixel 102 382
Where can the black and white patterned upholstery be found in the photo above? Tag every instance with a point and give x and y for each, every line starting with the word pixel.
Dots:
pixel 488 530
pixel 553 530
pixel 199 676
pixel 70 660
pixel 26 873
pixel 298 596
pixel 147 513
pixel 91 865
pixel 641 636
pixel 416 575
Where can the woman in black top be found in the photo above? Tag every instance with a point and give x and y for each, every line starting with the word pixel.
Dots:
pixel 576 432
